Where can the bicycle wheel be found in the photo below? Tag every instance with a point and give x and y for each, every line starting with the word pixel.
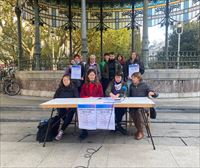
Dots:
pixel 12 88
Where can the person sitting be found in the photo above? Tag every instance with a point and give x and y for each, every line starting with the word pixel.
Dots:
pixel 139 88
pixel 117 88
pixel 66 89
pixel 91 88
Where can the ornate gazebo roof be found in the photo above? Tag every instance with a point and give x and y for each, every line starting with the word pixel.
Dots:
pixel 116 12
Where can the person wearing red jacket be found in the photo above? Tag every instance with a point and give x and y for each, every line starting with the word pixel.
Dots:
pixel 91 88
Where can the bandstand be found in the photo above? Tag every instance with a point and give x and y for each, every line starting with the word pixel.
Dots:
pixel 102 15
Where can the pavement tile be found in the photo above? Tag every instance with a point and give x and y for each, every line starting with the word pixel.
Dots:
pixel 187 156
pixel 139 156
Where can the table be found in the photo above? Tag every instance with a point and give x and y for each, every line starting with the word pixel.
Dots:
pixel 124 102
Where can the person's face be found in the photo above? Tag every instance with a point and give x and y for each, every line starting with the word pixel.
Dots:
pixel 111 56
pixel 77 60
pixel 119 58
pixel 133 56
pixel 118 79
pixel 66 81
pixel 106 57
pixel 92 60
pixel 135 80
pixel 91 76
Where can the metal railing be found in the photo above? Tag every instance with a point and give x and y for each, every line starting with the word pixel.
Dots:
pixel 187 60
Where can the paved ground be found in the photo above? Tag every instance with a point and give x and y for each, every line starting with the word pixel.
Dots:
pixel 176 133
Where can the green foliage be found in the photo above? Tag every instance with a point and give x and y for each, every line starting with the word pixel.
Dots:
pixel 190 38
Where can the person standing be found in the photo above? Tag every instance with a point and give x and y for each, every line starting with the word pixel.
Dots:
pixel 91 64
pixel 78 64
pixel 132 65
pixel 111 67
pixel 121 60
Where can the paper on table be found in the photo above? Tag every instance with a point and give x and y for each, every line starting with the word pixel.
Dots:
pixel 87 116
pixel 76 72
pixel 105 116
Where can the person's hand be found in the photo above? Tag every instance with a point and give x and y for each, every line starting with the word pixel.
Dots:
pixel 151 94
pixel 117 95
pixel 112 96
pixel 73 62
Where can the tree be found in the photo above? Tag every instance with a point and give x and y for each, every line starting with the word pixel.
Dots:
pixel 189 38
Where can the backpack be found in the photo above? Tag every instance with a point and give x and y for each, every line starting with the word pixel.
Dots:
pixel 53 130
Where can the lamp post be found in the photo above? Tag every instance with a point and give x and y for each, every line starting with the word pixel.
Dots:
pixel 53 36
pixel 179 31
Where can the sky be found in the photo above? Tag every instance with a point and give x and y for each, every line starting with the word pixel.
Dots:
pixel 156 33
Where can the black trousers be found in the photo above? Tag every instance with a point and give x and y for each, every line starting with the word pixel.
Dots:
pixel 67 116
pixel 119 113
pixel 104 82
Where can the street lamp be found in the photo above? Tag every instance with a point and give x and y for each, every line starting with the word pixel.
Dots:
pixel 53 36
pixel 179 31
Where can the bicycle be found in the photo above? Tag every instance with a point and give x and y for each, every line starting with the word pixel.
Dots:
pixel 8 83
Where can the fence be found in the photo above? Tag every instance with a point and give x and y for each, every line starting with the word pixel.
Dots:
pixel 187 60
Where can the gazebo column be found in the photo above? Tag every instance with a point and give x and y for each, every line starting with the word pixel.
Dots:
pixel 70 28
pixel 166 33
pixel 84 30
pixel 20 49
pixel 145 40
pixel 101 28
pixel 37 49
pixel 133 25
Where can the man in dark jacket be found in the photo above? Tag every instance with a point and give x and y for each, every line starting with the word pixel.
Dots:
pixel 139 88
pixel 111 67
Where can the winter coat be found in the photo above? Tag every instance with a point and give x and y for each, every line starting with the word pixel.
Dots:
pixel 95 67
pixel 66 92
pixel 141 90
pixel 111 89
pixel 126 67
pixel 106 73
pixel 91 90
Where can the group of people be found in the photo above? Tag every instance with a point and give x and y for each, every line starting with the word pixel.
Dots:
pixel 109 78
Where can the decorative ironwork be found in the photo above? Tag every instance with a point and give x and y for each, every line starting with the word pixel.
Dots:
pixel 135 25
pixel 170 20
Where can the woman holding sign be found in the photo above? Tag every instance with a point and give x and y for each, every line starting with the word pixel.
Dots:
pixel 131 66
pixel 76 71
pixel 91 88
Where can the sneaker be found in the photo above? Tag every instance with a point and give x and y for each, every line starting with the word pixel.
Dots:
pixel 59 135
pixel 83 134
pixel 121 129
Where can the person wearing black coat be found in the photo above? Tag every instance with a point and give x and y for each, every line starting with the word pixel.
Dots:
pixel 134 60
pixel 139 88
pixel 66 89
